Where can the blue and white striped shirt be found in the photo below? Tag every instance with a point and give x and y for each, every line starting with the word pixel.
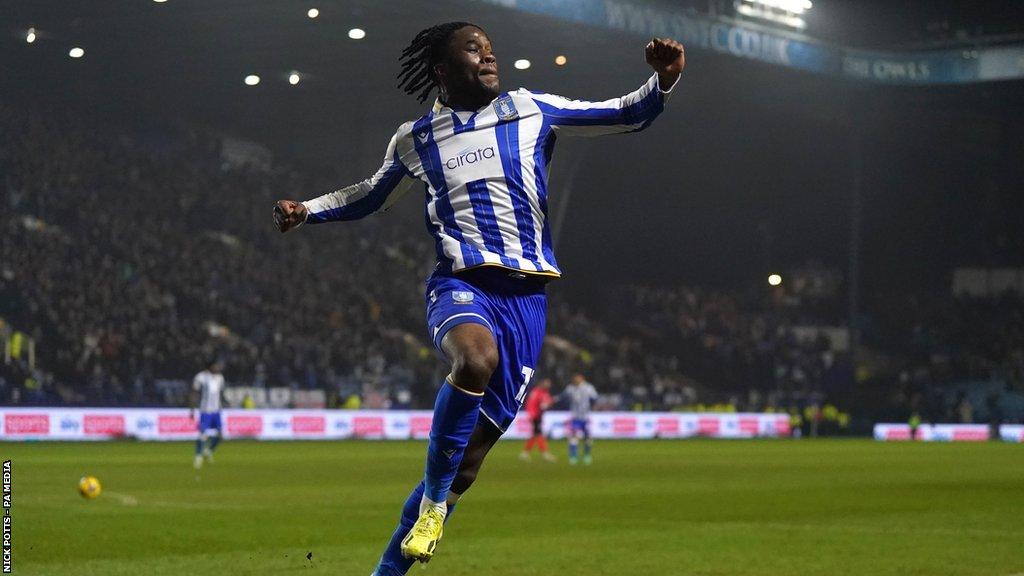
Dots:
pixel 581 399
pixel 486 173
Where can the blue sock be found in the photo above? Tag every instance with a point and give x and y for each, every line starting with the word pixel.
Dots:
pixel 586 448
pixel 199 446
pixel 455 415
pixel 572 450
pixel 214 440
pixel 392 563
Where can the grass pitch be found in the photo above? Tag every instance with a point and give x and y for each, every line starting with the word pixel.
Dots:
pixel 733 508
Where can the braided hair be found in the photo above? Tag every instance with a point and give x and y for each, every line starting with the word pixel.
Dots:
pixel 418 59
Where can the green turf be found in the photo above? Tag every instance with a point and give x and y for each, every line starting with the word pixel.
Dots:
pixel 660 507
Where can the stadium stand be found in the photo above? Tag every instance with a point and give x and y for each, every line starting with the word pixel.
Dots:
pixel 180 262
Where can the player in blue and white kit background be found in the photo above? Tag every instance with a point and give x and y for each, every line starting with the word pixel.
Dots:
pixel 581 395
pixel 207 388
pixel 483 157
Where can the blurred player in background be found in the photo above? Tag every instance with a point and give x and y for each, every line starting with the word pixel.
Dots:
pixel 207 388
pixel 581 395
pixel 537 403
pixel 483 156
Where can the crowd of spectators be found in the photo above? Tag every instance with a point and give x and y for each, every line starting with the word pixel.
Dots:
pixel 130 265
pixel 953 359
pixel 131 262
pixel 663 346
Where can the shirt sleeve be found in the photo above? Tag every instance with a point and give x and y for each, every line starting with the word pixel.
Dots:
pixel 380 191
pixel 197 382
pixel 630 113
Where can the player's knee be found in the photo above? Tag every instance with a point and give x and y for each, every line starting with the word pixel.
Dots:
pixel 473 368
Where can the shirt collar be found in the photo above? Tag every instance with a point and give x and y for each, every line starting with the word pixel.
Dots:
pixel 440 108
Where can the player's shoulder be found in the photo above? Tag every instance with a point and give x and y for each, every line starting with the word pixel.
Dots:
pixel 405 129
pixel 537 96
pixel 523 92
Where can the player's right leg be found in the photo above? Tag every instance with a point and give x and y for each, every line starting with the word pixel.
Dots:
pixel 473 354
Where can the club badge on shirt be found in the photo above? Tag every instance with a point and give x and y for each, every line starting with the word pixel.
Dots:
pixel 462 296
pixel 505 108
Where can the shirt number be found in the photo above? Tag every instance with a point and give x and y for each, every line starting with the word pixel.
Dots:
pixel 527 376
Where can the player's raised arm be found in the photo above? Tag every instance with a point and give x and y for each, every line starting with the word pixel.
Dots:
pixel 630 113
pixel 352 202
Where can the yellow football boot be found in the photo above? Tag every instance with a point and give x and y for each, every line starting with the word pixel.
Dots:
pixel 421 540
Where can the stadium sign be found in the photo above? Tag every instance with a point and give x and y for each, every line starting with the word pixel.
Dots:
pixel 178 424
pixel 307 424
pixel 753 41
pixel 934 432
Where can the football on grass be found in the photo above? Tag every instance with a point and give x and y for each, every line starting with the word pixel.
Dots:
pixel 89 487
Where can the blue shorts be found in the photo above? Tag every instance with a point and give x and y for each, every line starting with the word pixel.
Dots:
pixel 209 420
pixel 514 309
pixel 581 425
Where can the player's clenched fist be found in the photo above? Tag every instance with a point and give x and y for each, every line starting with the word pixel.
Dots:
pixel 289 214
pixel 667 57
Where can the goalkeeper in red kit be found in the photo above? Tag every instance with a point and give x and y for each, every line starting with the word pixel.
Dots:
pixel 537 402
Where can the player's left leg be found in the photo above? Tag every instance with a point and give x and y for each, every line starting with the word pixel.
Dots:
pixel 393 562
pixel 491 332
pixel 474 357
